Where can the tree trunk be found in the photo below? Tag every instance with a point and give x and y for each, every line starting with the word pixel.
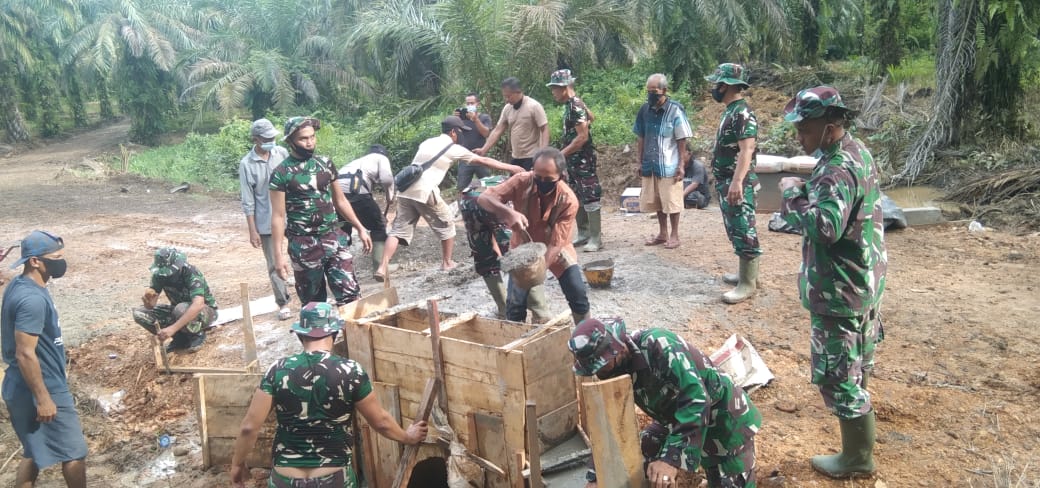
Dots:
pixel 74 95
pixel 104 99
pixel 811 33
pixel 888 46
pixel 14 123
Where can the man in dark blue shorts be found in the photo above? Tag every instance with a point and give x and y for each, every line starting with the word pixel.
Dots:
pixel 35 389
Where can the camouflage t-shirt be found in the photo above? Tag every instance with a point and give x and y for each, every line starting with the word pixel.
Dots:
pixel 314 397
pixel 843 232
pixel 184 285
pixel 738 123
pixel 679 387
pixel 575 113
pixel 308 195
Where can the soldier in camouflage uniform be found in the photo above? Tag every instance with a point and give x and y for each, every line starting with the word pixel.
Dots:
pixel 733 165
pixel 192 307
pixel 576 145
pixel 305 198
pixel 314 395
pixel 843 268
pixel 700 417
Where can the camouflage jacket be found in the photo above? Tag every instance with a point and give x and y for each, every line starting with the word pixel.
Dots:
pixel 843 237
pixel 738 123
pixel 677 386
pixel 314 396
pixel 575 112
pixel 309 210
pixel 184 285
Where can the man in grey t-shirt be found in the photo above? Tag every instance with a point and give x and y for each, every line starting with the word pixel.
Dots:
pixel 480 126
pixel 35 388
pixel 695 185
pixel 254 175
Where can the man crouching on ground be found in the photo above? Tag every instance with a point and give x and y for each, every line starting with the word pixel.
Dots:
pixel 192 307
pixel 700 417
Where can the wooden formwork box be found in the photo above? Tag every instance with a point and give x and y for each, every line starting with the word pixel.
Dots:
pixel 490 371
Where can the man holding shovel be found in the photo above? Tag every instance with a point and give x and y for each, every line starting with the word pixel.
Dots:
pixel 544 208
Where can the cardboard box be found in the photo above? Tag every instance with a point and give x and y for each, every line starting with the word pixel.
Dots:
pixel 630 200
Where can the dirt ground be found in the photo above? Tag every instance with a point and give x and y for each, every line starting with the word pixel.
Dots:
pixel 955 386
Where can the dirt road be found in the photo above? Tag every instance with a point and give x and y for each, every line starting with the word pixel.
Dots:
pixel 956 385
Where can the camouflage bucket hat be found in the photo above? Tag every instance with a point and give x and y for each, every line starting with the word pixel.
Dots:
pixel 317 319
pixel 561 77
pixel 168 260
pixel 812 103
pixel 730 74
pixel 594 342
pixel 296 123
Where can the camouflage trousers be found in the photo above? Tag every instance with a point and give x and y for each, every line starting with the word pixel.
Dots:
pixel 339 479
pixel 582 178
pixel 483 232
pixel 740 220
pixel 316 258
pixel 734 470
pixel 165 315
pixel 842 351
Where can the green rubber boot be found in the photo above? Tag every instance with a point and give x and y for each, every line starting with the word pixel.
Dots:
pixel 582 228
pixel 747 284
pixel 595 241
pixel 497 287
pixel 856 459
pixel 538 305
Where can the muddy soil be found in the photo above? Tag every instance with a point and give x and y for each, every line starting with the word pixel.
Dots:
pixel 956 383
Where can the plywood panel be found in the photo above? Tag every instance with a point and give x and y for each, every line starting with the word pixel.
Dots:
pixel 229 390
pixel 612 431
pixel 400 341
pixel 221 403
pixel 387 452
pixel 557 426
pixel 490 432
pixel 547 355
pixel 223 448
pixel 489 332
pixel 480 358
pixel 553 391
pixel 357 340
pixel 227 421
pixel 366 305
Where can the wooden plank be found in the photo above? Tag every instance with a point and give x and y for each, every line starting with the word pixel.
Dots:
pixel 223 421
pixel 490 431
pixel 472 443
pixel 553 391
pixel 407 463
pixel 557 426
pixel 248 338
pixel 207 370
pixel 561 320
pixel 612 430
pixel 479 357
pixel 387 452
pixel 231 390
pixel 488 332
pixel 380 300
pixel 200 415
pixel 513 407
pixel 162 362
pixel 534 452
pixel 368 454
pixel 400 341
pixel 357 339
pixel 516 477
pixel 548 355
pixel 223 448
pixel 438 363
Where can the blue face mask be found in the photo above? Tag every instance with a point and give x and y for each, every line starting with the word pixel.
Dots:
pixel 267 146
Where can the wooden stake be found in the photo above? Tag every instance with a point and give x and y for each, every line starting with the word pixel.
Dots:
pixel 248 338
pixel 438 363
pixel 404 469
pixel 534 449
pixel 160 354
pixel 368 456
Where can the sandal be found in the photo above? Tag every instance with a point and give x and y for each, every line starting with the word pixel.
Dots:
pixel 671 244
pixel 654 241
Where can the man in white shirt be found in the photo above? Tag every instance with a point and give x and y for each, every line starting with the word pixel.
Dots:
pixel 357 180
pixel 423 198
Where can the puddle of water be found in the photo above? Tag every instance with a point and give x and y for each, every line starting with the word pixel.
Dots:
pixel 915 196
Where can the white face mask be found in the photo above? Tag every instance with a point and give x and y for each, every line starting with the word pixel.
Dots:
pixel 471 107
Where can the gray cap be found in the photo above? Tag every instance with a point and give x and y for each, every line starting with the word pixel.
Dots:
pixel 263 128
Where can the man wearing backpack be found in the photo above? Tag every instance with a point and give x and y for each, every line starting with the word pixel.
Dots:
pixel 422 198
pixel 305 198
pixel 357 180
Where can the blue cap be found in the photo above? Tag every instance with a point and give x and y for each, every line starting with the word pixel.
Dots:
pixel 38 243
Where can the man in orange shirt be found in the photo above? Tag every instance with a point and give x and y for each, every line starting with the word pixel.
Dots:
pixel 545 206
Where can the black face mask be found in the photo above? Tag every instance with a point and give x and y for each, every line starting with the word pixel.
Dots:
pixel 653 99
pixel 516 106
pixel 55 267
pixel 304 154
pixel 717 94
pixel 545 187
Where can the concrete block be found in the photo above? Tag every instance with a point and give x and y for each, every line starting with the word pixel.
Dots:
pixel 923 216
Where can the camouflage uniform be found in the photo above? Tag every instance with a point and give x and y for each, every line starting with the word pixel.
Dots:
pixel 483 232
pixel 738 122
pixel 581 166
pixel 319 249
pixel 181 282
pixel 314 395
pixel 700 417
pixel 842 276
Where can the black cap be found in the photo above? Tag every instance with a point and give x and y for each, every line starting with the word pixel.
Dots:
pixel 452 122
pixel 377 149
